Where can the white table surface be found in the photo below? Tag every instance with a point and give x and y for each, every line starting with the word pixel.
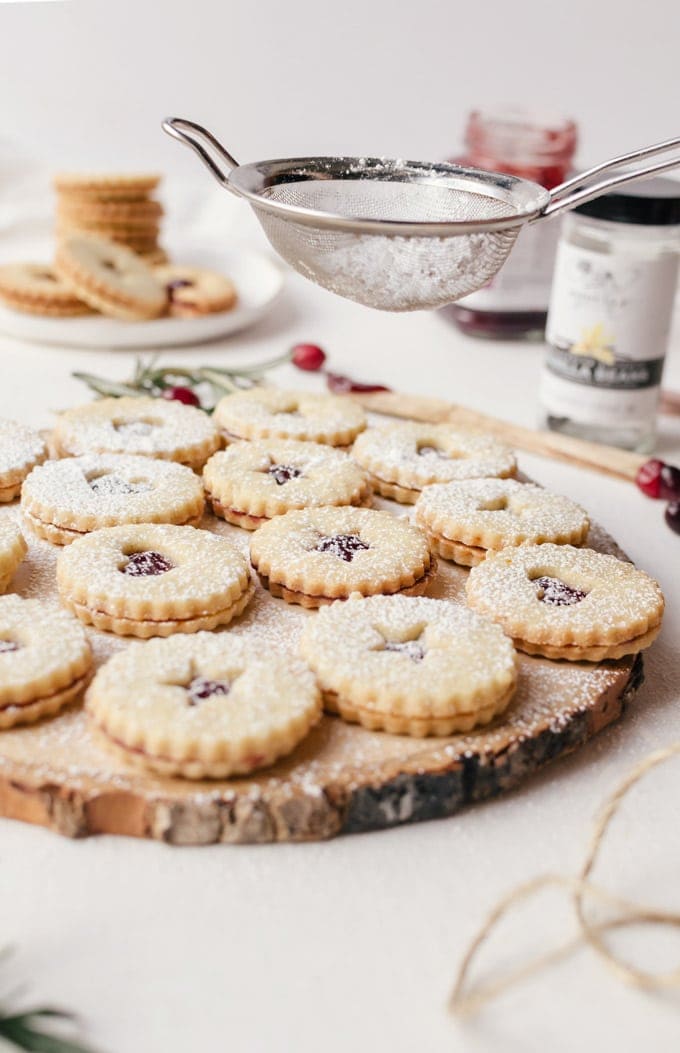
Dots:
pixel 353 944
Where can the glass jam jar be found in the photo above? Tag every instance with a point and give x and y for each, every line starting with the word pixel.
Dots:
pixel 514 304
pixel 610 315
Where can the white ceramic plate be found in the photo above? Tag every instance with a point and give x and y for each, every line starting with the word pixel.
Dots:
pixel 258 281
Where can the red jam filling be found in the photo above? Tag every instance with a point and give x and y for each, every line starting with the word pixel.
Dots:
pixel 201 688
pixel 283 473
pixel 109 485
pixel 143 564
pixel 413 649
pixel 557 593
pixel 344 546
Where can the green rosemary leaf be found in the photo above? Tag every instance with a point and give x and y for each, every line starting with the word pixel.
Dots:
pixel 106 387
pixel 218 380
pixel 20 1030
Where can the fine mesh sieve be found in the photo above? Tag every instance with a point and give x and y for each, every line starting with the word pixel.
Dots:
pixel 393 234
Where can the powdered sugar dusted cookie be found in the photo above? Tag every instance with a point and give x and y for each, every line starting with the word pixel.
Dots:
pixel 109 277
pixel 13 548
pixel 264 413
pixel 202 706
pixel 410 666
pixel 250 482
pixel 35 288
pixel 317 555
pixel 402 459
pixel 45 660
pixel 20 450
pixel 465 519
pixel 154 580
pixel 62 500
pixel 145 426
pixel 565 602
pixel 195 291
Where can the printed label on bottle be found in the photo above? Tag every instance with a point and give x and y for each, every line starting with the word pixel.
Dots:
pixel 607 333
pixel 523 282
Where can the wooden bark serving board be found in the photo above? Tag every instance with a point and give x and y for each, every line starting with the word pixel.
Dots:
pixel 63 775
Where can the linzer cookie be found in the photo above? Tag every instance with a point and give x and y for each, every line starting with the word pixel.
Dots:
pixel 128 215
pixel 45 660
pixel 318 555
pixel 402 459
pixel 21 449
pixel 410 666
pixel 62 500
pixel 265 413
pixel 195 291
pixel 109 277
pixel 117 186
pixel 154 580
pixel 565 602
pixel 13 548
pixel 34 288
pixel 146 426
pixel 203 706
pixel 251 482
pixel 465 519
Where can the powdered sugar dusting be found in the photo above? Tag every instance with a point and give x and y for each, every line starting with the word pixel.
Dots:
pixel 20 447
pixel 65 749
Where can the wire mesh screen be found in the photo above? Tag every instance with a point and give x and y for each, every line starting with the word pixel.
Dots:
pixel 392 273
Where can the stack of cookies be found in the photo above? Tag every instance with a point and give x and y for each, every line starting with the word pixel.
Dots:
pixel 118 208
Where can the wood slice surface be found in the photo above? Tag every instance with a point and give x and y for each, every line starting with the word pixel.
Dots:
pixel 62 774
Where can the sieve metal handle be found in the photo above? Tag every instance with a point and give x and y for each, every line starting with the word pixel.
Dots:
pixel 205 145
pixel 573 192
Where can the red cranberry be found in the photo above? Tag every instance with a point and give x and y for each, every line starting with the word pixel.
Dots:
pixel 201 688
pixel 344 546
pixel 283 473
pixel 648 477
pixel 142 564
pixel 180 393
pixel 673 516
pixel 557 593
pixel 308 356
pixel 669 483
pixel 342 385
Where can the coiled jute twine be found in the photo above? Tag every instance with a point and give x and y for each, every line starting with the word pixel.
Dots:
pixel 465 1001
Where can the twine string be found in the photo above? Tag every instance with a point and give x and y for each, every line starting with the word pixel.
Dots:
pixel 464 1001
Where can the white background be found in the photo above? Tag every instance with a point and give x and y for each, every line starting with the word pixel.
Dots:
pixel 350 945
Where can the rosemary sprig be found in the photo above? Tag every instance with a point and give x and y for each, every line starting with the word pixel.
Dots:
pixel 23 1031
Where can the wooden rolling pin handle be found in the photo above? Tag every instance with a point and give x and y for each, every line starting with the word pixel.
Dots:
pixel 607 459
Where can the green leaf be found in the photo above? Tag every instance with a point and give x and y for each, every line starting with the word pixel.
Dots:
pixel 21 1032
pixel 106 387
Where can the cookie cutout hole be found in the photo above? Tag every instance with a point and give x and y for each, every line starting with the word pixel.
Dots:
pixel 6 646
pixel 136 429
pixel 107 484
pixel 201 688
pixel 411 644
pixel 283 473
pixel 344 546
pixel 146 563
pixel 556 592
pixel 494 504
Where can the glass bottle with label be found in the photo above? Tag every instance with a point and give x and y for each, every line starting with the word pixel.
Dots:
pixel 514 304
pixel 610 315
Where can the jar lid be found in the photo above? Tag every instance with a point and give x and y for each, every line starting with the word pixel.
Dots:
pixel 652 203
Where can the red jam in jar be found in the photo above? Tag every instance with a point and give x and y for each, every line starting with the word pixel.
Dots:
pixel 514 304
